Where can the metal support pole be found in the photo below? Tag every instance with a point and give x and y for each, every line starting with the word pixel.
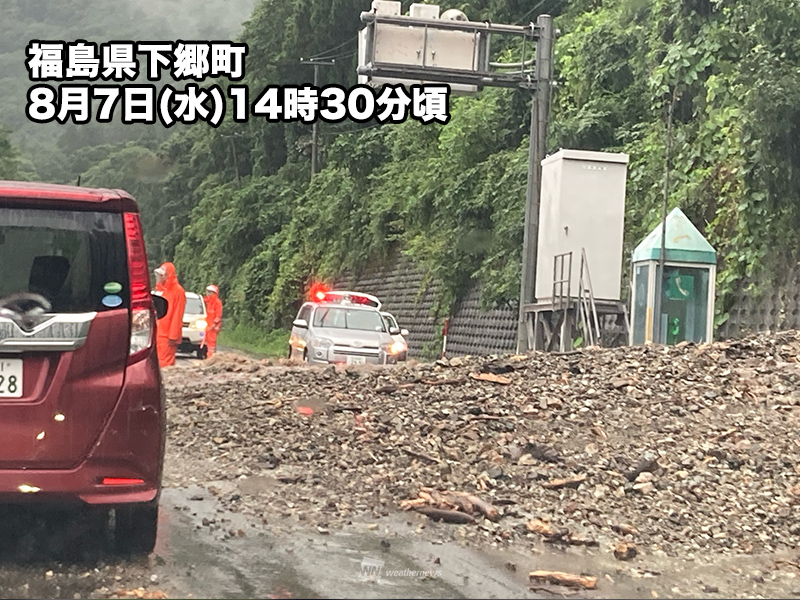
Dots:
pixel 315 126
pixel 235 162
pixel 232 143
pixel 315 129
pixel 662 256
pixel 445 330
pixel 536 152
pixel 529 250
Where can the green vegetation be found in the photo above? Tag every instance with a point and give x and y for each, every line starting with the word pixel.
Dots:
pixel 60 153
pixel 9 157
pixel 251 340
pixel 236 205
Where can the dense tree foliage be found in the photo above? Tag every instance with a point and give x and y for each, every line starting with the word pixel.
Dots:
pixel 236 205
pixel 9 157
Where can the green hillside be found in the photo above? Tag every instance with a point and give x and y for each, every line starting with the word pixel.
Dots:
pixel 235 205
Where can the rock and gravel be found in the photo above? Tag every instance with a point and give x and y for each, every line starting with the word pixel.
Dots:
pixel 678 451
pixel 650 472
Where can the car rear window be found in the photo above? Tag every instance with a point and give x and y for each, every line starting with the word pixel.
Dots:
pixel 75 259
pixel 194 306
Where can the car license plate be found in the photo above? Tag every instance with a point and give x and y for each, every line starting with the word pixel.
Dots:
pixel 10 378
pixel 356 360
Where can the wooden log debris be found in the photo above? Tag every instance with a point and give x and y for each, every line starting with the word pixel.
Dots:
pixel 451 501
pixel 421 455
pixel 566 579
pixel 415 503
pixel 625 551
pixel 557 484
pixel 486 509
pixel 625 529
pixel 544 528
pixel 491 377
pixel 449 516
pixel 552 591
pixel 388 389
pixel 553 535
pixel 444 381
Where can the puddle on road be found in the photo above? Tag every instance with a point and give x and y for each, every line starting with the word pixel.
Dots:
pixel 300 562
pixel 287 559
pixel 311 565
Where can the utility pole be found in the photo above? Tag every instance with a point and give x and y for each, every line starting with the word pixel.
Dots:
pixel 235 162
pixel 662 257
pixel 235 156
pixel 315 127
pixel 540 104
pixel 376 61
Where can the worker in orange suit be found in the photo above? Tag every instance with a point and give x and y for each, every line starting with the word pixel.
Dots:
pixel 213 317
pixel 169 327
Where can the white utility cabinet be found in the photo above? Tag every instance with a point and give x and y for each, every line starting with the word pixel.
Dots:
pixel 582 207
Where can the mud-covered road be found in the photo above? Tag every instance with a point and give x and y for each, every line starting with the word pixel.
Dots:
pixel 286 482
pixel 205 551
pixel 61 557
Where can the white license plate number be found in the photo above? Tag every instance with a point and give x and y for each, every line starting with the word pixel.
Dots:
pixel 10 378
pixel 356 360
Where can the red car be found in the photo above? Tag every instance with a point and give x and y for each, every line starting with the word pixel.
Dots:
pixel 82 406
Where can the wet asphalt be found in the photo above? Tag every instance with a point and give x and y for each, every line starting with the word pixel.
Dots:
pixel 204 551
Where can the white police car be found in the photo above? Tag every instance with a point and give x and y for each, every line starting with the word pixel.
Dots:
pixel 341 327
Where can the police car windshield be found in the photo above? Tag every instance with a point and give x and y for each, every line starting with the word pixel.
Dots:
pixel 342 318
pixel 194 306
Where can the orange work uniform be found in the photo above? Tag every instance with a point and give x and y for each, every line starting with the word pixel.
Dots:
pixel 169 327
pixel 214 319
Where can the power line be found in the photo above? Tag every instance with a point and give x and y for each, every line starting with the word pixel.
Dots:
pixel 343 55
pixel 329 50
pixel 280 63
pixel 359 130
pixel 530 12
pixel 556 7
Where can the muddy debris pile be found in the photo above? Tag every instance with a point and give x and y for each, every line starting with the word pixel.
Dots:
pixel 674 450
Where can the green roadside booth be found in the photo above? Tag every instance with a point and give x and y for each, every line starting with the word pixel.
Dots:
pixel 687 299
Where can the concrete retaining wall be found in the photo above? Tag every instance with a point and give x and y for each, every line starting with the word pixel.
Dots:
pixel 401 286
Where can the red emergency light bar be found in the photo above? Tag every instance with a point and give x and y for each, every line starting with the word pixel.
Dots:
pixel 317 292
pixel 347 298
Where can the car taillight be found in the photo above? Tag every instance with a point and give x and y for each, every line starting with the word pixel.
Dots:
pixel 121 481
pixel 142 316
